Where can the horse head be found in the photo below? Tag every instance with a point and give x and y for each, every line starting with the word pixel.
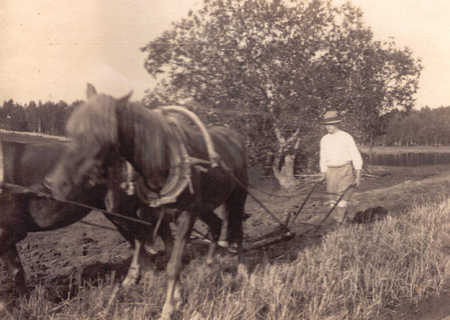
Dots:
pixel 92 130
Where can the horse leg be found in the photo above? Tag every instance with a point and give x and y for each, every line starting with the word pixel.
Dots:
pixel 166 235
pixel 134 268
pixel 163 229
pixel 10 257
pixel 223 237
pixel 14 268
pixel 113 201
pixel 235 206
pixel 173 296
pixel 216 228
pixel 130 279
pixel 116 201
pixel 213 222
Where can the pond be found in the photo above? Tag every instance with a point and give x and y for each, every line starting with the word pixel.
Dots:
pixel 407 156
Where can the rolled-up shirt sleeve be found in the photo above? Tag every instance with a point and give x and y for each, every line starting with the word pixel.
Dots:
pixel 355 154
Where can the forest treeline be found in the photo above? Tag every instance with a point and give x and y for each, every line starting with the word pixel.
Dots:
pixel 42 117
pixel 428 127
pixel 424 127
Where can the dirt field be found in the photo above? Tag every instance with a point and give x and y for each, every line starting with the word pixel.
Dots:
pixel 57 258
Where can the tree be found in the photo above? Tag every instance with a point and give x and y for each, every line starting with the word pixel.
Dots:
pixel 285 63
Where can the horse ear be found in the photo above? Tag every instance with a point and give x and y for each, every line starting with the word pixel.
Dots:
pixel 124 100
pixel 90 91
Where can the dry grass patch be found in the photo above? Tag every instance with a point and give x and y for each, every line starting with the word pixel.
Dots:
pixel 358 272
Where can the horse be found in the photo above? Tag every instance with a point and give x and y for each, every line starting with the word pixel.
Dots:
pixel 175 168
pixel 25 207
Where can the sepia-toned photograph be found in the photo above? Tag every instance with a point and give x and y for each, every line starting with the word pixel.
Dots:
pixel 225 159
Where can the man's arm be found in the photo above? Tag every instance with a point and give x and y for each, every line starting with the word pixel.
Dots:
pixel 356 160
pixel 358 177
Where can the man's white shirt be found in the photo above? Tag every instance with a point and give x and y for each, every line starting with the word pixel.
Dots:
pixel 337 149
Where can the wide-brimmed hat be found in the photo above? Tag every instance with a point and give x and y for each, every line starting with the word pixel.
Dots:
pixel 331 117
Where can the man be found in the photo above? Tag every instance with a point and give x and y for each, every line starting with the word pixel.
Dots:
pixel 340 160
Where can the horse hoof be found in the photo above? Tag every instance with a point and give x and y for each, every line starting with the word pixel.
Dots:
pixel 129 282
pixel 167 313
pixel 242 271
pixel 197 316
pixel 223 243
pixel 150 250
pixel 179 304
pixel 234 248
pixel 209 261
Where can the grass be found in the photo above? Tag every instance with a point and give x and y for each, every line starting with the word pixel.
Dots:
pixel 356 272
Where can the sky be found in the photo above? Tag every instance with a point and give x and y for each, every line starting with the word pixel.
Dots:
pixel 50 49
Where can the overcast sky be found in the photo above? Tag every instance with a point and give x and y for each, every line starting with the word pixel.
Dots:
pixel 51 48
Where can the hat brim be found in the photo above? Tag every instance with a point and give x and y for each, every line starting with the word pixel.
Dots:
pixel 331 121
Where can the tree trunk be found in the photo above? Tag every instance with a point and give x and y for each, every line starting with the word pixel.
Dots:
pixel 285 174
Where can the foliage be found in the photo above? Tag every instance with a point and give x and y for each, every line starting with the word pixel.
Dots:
pixel 426 127
pixel 277 66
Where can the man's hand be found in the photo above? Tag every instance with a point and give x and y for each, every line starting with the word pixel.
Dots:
pixel 323 176
pixel 358 178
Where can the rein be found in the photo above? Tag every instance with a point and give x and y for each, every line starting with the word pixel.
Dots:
pixel 21 189
pixel 286 233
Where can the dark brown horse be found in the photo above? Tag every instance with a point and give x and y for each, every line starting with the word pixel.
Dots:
pixel 22 211
pixel 161 150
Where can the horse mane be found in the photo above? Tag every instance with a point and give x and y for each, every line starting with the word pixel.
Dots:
pixel 94 121
pixel 151 135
